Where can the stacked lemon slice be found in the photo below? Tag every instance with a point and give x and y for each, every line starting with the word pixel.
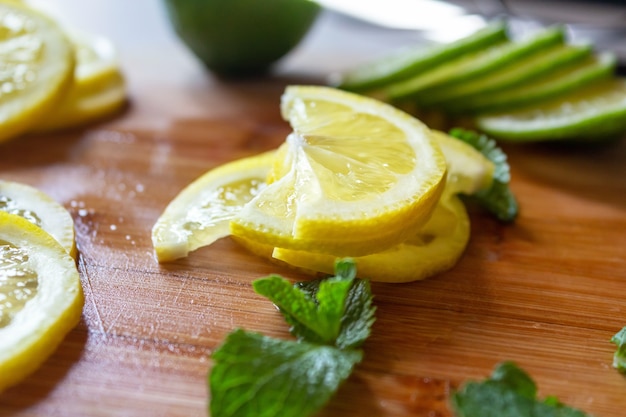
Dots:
pixel 40 292
pixel 50 80
pixel 356 178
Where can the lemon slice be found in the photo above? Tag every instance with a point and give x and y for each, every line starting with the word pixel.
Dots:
pixel 37 63
pixel 436 248
pixel 469 171
pixel 98 89
pixel 200 214
pixel 362 176
pixel 40 297
pixel 41 210
pixel 593 112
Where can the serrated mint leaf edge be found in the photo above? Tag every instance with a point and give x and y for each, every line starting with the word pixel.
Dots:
pixel 359 316
pixel 299 307
pixel 497 396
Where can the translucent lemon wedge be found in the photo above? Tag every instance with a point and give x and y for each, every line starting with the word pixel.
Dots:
pixel 41 297
pixel 200 214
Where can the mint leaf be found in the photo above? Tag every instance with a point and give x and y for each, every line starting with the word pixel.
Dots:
pixel 336 310
pixel 358 317
pixel 508 374
pixel 255 375
pixel 510 392
pixel 318 318
pixel 619 358
pixel 498 199
pixel 258 376
pixel 359 312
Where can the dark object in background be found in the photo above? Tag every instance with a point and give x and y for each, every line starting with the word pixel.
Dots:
pixel 241 37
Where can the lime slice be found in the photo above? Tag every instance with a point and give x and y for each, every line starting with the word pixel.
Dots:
pixel 407 63
pixel 470 66
pixel 41 297
pixel 545 88
pixel 37 63
pixel 595 112
pixel 200 214
pixel 516 73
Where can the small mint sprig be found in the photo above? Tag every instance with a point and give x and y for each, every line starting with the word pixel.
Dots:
pixel 498 199
pixel 260 376
pixel 509 392
pixel 619 358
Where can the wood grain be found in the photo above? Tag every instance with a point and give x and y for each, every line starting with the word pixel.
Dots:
pixel 546 292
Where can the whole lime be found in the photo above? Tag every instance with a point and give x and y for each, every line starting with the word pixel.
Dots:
pixel 241 37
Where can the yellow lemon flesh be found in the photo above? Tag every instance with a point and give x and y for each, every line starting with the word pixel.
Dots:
pixel 98 89
pixel 36 66
pixel 41 210
pixel 200 214
pixel 358 176
pixel 41 297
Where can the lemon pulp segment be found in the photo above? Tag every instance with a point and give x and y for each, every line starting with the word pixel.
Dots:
pixel 36 67
pixel 41 297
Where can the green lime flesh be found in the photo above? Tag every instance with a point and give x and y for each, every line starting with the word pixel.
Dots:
pixel 550 86
pixel 592 112
pixel 514 74
pixel 406 63
pixel 472 66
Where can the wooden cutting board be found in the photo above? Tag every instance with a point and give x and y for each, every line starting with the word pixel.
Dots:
pixel 546 292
